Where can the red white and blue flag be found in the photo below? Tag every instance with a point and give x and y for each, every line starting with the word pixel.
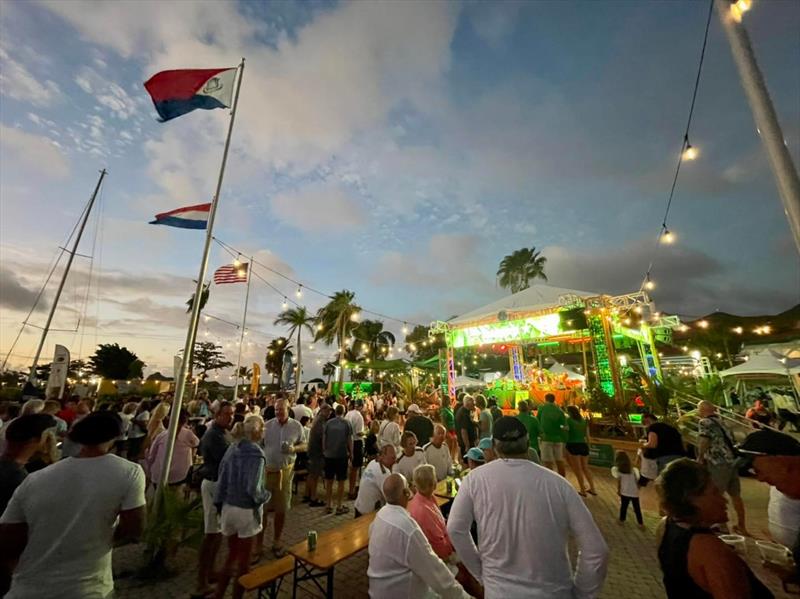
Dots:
pixel 189 217
pixel 231 273
pixel 174 93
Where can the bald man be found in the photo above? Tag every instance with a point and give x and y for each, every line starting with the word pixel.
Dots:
pixel 715 450
pixel 402 564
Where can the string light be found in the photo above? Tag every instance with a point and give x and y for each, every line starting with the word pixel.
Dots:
pixel 405 329
pixel 320 327
pixel 668 237
pixel 690 153
pixel 354 317
pixel 285 304
pixel 648 284
pixel 703 324
pixel 299 292
pixel 236 262
pixel 738 330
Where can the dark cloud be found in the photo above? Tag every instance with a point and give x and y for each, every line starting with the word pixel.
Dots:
pixel 15 295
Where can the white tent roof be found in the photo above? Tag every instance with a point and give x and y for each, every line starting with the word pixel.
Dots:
pixel 559 368
pixel 465 381
pixel 763 362
pixel 536 297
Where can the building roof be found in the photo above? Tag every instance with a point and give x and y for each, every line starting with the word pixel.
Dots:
pixel 532 299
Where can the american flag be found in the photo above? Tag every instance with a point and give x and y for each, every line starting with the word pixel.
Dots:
pixel 231 273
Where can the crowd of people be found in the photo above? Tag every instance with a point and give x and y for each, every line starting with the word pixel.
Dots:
pixel 75 479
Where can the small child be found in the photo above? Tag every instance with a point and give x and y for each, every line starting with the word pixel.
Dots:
pixel 627 486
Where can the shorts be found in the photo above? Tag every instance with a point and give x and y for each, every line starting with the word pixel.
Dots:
pixel 726 478
pixel 336 468
pixel 211 524
pixel 316 465
pixel 244 523
pixel 358 453
pixel 279 484
pixel 578 449
pixel 552 452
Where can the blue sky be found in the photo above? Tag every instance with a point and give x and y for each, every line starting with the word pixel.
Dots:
pixel 395 149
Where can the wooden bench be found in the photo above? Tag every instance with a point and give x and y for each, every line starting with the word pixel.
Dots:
pixel 333 546
pixel 266 579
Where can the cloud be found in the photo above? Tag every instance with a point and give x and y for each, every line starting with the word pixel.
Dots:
pixel 106 93
pixel 15 295
pixel 34 152
pixel 318 207
pixel 18 83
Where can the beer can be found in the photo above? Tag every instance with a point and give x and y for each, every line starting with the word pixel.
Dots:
pixel 312 540
pixel 449 486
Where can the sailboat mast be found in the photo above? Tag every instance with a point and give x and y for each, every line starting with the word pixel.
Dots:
pixel 32 374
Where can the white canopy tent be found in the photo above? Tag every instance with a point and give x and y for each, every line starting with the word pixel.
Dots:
pixel 763 363
pixel 559 368
pixel 465 381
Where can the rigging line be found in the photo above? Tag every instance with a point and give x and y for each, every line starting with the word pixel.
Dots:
pixel 84 308
pixel 236 253
pixel 685 140
pixel 101 219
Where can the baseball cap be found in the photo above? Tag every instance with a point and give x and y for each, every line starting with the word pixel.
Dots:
pixel 766 442
pixel 474 454
pixel 29 427
pixel 485 443
pixel 508 428
pixel 414 408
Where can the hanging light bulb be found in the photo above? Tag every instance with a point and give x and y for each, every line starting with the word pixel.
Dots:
pixel 744 5
pixel 354 317
pixel 648 284
pixel 237 263
pixel 703 324
pixel 299 292
pixel 667 237
pixel 405 329
pixel 320 327
pixel 285 304
pixel 689 152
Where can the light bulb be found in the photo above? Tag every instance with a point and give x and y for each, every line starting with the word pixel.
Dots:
pixel 319 327
pixel 738 330
pixel 649 285
pixel 405 329
pixel 354 317
pixel 744 5
pixel 299 292
pixel 703 324
pixel 690 153
pixel 668 237
pixel 736 12
pixel 285 304
pixel 237 263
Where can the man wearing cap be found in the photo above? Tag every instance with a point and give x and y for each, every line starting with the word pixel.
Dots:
pixel 474 458
pixel 522 548
pixel 62 521
pixel 486 445
pixel 775 460
pixel 419 424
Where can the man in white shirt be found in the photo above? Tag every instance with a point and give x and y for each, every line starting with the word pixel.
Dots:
pixel 370 491
pixel 61 522
pixel 356 420
pixel 300 409
pixel 438 454
pixel 402 564
pixel 522 549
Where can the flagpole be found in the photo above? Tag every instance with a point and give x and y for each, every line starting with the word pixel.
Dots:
pixel 241 337
pixel 191 334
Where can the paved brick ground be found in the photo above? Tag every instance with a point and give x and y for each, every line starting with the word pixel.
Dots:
pixel 633 572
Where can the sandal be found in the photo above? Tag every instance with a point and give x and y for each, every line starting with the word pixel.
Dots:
pixel 592 492
pixel 582 493
pixel 342 509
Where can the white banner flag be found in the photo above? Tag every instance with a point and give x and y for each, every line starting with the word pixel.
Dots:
pixel 59 370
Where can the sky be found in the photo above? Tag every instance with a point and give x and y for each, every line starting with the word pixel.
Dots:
pixel 396 149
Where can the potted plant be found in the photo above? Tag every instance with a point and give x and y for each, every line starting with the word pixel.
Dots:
pixel 173 521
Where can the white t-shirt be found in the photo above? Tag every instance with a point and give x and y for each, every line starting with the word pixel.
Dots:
pixel 71 510
pixel 405 464
pixel 356 421
pixel 370 490
pixel 522 551
pixel 301 410
pixel 389 434
pixel 628 483
pixel 440 458
pixel 783 514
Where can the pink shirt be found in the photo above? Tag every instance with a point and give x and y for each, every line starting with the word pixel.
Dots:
pixel 185 442
pixel 429 517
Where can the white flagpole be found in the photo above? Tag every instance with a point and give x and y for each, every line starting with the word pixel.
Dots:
pixel 241 336
pixel 191 334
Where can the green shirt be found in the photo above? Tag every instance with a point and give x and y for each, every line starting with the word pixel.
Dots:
pixel 448 419
pixel 551 420
pixel 576 430
pixel 532 426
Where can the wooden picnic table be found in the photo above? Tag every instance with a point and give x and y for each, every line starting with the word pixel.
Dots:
pixel 441 490
pixel 333 546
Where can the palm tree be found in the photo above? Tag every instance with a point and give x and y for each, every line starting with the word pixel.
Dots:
pixel 378 342
pixel 203 298
pixel 328 370
pixel 273 361
pixel 335 321
pixel 296 319
pixel 520 268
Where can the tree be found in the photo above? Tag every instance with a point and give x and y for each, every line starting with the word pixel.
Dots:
pixel 378 342
pixel 203 298
pixel 520 268
pixel 424 347
pixel 208 356
pixel 328 370
pixel 336 320
pixel 297 319
pixel 273 361
pixel 111 361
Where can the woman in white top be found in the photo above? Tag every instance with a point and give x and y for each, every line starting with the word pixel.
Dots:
pixel 411 457
pixel 389 432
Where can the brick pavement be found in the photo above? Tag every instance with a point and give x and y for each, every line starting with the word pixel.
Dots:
pixel 633 570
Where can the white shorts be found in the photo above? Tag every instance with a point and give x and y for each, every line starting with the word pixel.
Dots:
pixel 211 526
pixel 244 523
pixel 551 452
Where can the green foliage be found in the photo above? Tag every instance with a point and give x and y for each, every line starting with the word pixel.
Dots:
pixel 406 388
pixel 425 347
pixel 337 319
pixel 614 409
pixel 709 388
pixel 111 361
pixel 518 269
pixel 208 356
pixel 378 341
pixel 273 361
pixel 172 522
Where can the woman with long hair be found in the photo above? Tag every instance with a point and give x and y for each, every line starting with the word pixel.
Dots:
pixel 241 494
pixel 578 450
